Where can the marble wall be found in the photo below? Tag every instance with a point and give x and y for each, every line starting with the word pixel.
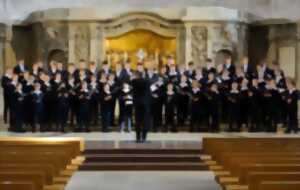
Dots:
pixel 196 40
pixel 45 32
pixel 282 37
pixel 206 39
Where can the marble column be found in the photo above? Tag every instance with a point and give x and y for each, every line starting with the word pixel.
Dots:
pixel 188 43
pixel 71 44
pixel 242 43
pixel 96 44
pixel 199 44
pixel 2 42
pixel 9 54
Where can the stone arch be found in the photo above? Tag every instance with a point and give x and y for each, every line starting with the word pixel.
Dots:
pixel 57 55
pixel 142 21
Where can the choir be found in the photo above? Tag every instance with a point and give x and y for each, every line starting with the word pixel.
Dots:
pixel 200 98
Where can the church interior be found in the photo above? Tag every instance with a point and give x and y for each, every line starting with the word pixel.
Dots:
pixel 42 42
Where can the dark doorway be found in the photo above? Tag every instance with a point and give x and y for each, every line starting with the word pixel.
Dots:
pixel 258 43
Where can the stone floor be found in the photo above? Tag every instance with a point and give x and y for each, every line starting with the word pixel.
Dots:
pixel 143 180
pixel 116 136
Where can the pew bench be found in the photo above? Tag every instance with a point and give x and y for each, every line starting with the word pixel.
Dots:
pixel 17 185
pixel 279 185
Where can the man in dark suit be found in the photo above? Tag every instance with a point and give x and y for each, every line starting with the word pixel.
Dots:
pixel 126 72
pixel 5 82
pixel 247 68
pixel 105 69
pixel 267 72
pixel 20 68
pixel 229 66
pixel 141 102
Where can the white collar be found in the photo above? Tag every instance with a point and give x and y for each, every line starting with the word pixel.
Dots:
pixel 170 92
pixel 173 72
pixel 183 84
pixel 37 92
pixel 126 90
pixel 234 91
pixel 8 76
pixel 292 90
pixel 195 90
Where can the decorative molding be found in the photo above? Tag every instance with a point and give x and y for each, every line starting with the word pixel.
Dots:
pixel 199 44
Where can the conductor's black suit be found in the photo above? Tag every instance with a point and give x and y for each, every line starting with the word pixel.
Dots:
pixel 141 102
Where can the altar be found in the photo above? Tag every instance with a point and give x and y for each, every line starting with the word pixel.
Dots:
pixel 138 45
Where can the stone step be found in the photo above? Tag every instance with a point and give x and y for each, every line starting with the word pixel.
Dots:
pixel 143 151
pixel 149 166
pixel 141 158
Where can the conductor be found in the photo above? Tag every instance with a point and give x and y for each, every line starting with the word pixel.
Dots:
pixel 141 102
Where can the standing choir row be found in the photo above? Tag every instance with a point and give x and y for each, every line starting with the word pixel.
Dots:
pixel 200 98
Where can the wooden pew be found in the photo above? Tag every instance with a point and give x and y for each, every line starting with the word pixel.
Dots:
pixel 63 154
pixel 279 185
pixel 37 159
pixel 238 158
pixel 245 170
pixel 17 185
pixel 228 155
pixel 228 148
pixel 37 178
pixel 59 158
pixel 42 161
pixel 47 170
pixel 256 178
pixel 76 145
pixel 233 163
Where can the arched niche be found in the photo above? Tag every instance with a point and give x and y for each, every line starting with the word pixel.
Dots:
pixel 57 55
pixel 145 22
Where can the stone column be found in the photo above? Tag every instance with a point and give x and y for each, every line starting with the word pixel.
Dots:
pixel 2 42
pixel 71 56
pixel 9 55
pixel 199 44
pixel 101 42
pixel 242 43
pixel 96 44
pixel 188 43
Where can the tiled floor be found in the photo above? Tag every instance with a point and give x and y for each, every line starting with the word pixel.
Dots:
pixel 143 181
